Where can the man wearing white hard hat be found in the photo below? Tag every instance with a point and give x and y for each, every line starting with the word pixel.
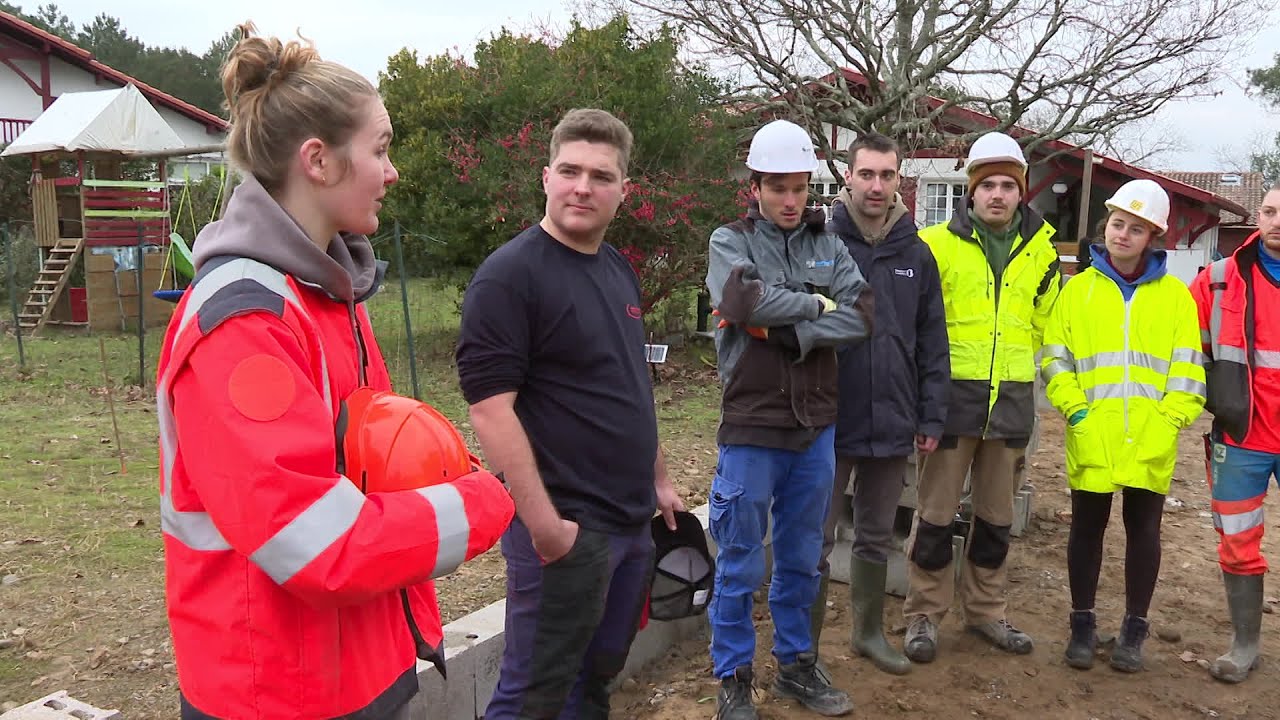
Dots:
pixel 1239 302
pixel 1000 278
pixel 1122 363
pixel 788 294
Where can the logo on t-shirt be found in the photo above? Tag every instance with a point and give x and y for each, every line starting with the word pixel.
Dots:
pixel 633 312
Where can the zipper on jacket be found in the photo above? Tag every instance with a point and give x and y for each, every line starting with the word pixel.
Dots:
pixel 362 361
pixel 992 385
pixel 1128 307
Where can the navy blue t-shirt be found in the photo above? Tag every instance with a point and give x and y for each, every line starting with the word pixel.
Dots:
pixel 563 330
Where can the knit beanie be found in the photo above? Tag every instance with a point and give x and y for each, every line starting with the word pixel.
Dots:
pixel 978 173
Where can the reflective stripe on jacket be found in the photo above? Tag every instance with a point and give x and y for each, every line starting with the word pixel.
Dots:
pixel 1135 366
pixel 1238 305
pixel 282 579
pixel 994 332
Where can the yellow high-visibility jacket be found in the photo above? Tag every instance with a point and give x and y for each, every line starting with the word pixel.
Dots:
pixel 1129 354
pixel 994 332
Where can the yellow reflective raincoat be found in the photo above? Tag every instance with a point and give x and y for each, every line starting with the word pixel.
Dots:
pixel 1129 354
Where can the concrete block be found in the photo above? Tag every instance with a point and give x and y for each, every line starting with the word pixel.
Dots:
pixel 60 706
pixel 1022 510
pixel 910 491
pixel 840 555
pixel 473 656
pixel 657 638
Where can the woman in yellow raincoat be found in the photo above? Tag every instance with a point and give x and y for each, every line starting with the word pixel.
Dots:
pixel 1122 363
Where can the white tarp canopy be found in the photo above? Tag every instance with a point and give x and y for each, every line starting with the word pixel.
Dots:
pixel 114 121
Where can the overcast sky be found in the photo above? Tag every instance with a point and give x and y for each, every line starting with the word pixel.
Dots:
pixel 365 33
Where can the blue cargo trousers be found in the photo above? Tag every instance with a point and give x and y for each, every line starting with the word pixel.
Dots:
pixel 751 482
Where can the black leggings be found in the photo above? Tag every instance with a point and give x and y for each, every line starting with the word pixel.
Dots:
pixel 1142 513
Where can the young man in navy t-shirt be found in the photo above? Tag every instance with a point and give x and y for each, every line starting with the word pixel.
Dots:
pixel 551 359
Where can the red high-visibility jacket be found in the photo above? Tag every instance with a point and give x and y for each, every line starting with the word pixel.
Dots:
pixel 284 582
pixel 1240 330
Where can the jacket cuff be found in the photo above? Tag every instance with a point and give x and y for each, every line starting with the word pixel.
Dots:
pixel 933 430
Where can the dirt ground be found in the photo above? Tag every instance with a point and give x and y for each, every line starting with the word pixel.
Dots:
pixel 971 680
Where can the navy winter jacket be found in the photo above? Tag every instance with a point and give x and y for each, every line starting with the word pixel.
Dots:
pixel 895 385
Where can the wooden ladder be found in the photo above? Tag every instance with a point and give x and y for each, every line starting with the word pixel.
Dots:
pixel 53 277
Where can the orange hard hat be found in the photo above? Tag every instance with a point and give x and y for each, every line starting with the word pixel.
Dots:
pixel 391 443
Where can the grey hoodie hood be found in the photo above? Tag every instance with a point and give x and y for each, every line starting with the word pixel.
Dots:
pixel 256 227
pixel 895 213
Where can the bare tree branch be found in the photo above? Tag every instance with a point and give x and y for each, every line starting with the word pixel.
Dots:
pixel 1077 70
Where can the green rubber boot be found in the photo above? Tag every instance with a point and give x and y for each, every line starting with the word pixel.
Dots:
pixel 818 611
pixel 866 594
pixel 1244 600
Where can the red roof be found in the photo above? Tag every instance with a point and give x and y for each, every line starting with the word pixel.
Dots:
pixel 1246 188
pixel 74 54
pixel 982 120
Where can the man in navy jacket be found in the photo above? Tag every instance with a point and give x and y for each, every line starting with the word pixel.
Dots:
pixel 892 389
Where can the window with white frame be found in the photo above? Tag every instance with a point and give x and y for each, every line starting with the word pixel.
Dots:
pixel 941 200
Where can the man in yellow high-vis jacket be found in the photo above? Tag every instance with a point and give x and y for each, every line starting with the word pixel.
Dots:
pixel 1000 278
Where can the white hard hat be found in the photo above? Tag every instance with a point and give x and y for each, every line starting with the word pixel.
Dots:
pixel 1145 199
pixel 995 147
pixel 782 147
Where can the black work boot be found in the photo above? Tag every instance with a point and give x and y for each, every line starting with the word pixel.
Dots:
pixel 801 681
pixel 1084 639
pixel 1127 655
pixel 734 699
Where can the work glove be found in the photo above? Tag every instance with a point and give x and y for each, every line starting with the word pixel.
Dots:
pixel 826 304
pixel 1077 416
pixel 742 290
pixel 757 332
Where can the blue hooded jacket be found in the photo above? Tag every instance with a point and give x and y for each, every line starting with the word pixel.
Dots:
pixel 1156 269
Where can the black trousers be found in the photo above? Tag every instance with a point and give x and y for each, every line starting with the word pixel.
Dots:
pixel 1142 512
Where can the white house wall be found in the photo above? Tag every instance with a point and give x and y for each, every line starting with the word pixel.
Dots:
pixel 17 100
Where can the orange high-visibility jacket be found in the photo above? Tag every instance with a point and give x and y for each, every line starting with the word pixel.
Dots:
pixel 290 593
pixel 1239 307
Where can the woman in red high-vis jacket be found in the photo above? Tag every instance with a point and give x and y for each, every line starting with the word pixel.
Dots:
pixel 291 594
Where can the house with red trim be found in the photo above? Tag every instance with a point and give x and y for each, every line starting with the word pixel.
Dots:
pixel 1246 188
pixel 36 67
pixel 934 186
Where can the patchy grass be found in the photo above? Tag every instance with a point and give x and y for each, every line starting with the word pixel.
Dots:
pixel 79 540
pixel 81 559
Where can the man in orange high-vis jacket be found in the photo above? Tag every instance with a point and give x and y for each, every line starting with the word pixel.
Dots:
pixel 290 593
pixel 1239 304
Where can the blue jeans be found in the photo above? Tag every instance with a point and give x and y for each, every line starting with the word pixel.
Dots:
pixel 750 481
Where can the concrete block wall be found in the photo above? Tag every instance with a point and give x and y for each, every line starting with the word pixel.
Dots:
pixel 60 706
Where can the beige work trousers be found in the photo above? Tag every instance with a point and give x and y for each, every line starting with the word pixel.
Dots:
pixel 996 473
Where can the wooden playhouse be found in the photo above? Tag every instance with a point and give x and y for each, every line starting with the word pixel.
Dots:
pixel 101 210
